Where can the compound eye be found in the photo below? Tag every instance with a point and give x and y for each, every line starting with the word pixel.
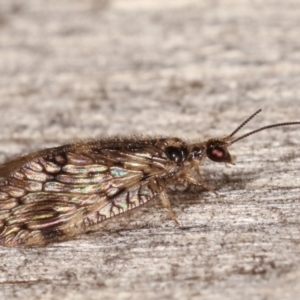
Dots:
pixel 218 153
pixel 176 154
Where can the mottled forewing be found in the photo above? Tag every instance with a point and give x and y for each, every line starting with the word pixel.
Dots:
pixel 56 194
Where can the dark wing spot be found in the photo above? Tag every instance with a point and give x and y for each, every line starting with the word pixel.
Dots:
pixel 51 234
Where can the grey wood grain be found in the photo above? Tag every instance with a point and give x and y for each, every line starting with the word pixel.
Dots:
pixel 194 69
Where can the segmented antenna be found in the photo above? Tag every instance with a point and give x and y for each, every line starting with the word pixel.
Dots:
pixel 259 129
pixel 244 123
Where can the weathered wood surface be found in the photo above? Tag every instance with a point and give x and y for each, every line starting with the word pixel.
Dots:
pixel 193 69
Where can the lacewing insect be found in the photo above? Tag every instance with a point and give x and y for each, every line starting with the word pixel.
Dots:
pixel 57 193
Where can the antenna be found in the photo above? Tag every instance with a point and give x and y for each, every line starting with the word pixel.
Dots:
pixel 257 130
pixel 264 128
pixel 244 123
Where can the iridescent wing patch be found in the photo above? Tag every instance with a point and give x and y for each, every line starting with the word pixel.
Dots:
pixel 60 194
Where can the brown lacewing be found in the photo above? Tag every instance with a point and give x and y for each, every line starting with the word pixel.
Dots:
pixel 57 193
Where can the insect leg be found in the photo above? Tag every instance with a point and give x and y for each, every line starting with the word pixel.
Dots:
pixel 166 203
pixel 200 181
